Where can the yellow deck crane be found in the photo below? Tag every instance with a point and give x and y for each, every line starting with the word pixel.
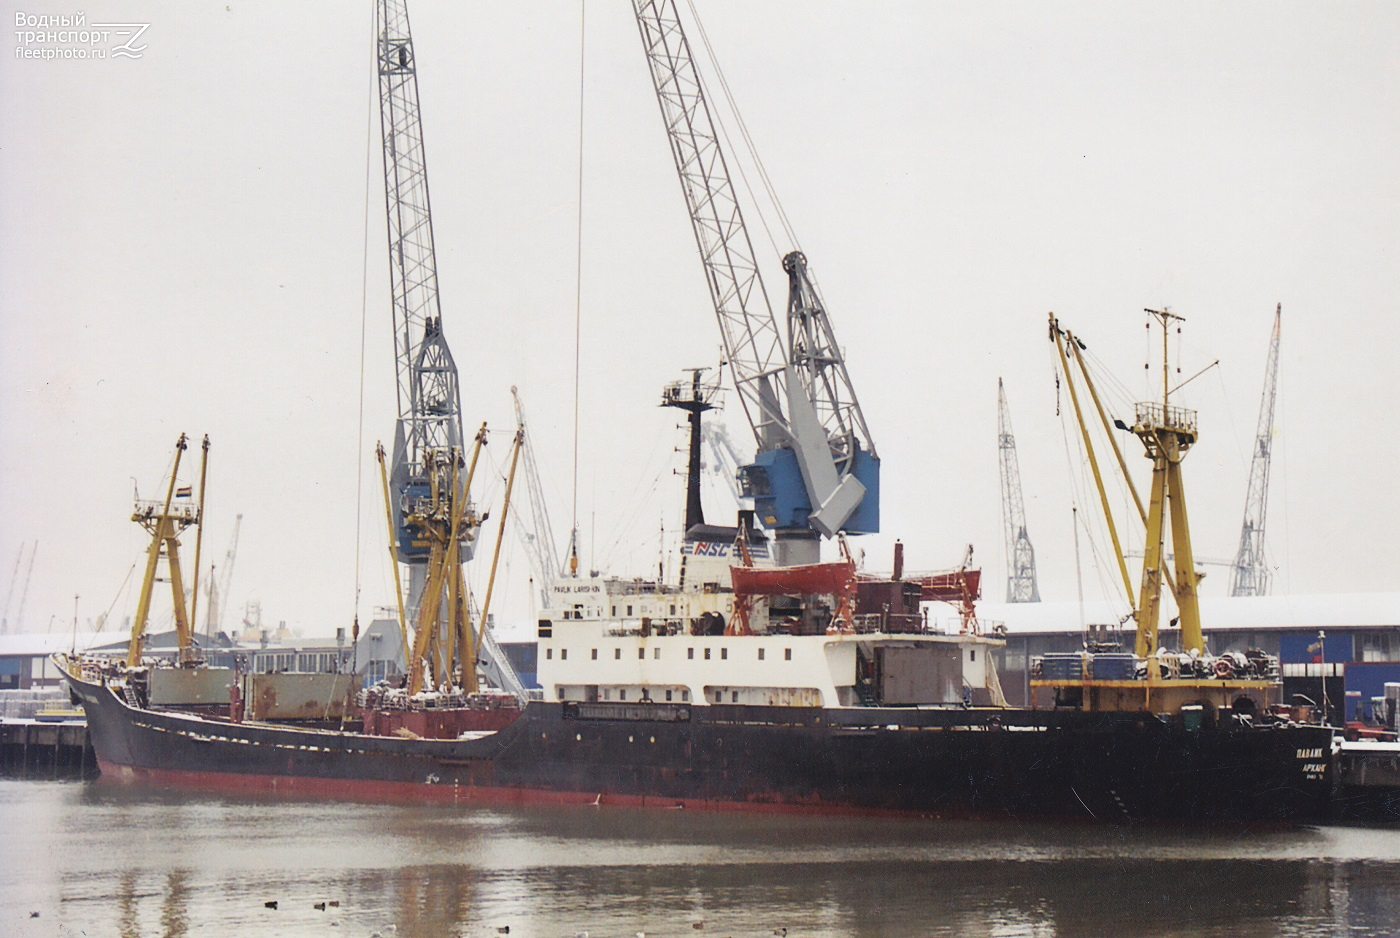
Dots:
pixel 1170 681
pixel 166 520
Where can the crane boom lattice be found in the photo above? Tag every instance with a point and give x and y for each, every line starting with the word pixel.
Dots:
pixel 1021 586
pixel 816 472
pixel 429 406
pixel 1251 575
pixel 752 343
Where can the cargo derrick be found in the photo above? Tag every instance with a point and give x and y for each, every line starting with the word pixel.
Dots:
pixel 166 521
pixel 1152 678
pixel 816 473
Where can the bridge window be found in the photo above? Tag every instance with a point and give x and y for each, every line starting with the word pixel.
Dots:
pixel 760 654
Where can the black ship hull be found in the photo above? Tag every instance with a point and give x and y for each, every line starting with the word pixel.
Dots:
pixel 926 762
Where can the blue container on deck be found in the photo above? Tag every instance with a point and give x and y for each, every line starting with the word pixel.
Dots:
pixel 1062 666
pixel 1115 666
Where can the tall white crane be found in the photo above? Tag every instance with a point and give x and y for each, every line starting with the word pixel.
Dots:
pixel 1251 576
pixel 219 585
pixel 816 471
pixel 538 534
pixel 1021 584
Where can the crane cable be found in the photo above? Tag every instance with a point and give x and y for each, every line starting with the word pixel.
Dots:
pixel 364 320
pixel 768 187
pixel 578 280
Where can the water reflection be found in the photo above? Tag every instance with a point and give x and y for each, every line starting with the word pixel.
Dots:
pixel 142 864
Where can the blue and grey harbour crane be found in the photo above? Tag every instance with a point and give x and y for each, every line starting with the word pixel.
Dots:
pixel 816 472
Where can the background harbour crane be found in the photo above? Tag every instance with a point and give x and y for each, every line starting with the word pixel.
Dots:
pixel 219 585
pixel 538 534
pixel 1251 576
pixel 1021 584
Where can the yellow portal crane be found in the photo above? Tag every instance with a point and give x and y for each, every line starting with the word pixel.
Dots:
pixel 166 521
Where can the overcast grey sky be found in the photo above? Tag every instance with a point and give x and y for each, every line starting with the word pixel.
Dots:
pixel 183 235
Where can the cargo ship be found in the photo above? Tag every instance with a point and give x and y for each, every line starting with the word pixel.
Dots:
pixel 765 679
pixel 752 697
pixel 750 685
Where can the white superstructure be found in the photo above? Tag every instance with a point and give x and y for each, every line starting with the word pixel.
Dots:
pixel 632 641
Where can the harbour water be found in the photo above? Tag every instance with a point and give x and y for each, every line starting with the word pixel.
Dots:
pixel 98 859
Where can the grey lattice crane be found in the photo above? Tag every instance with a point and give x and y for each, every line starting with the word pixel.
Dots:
pixel 429 424
pixel 1020 555
pixel 816 471
pixel 1251 576
pixel 435 526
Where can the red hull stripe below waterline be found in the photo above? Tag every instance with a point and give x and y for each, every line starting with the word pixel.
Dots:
pixel 300 787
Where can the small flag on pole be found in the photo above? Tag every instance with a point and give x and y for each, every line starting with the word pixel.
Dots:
pixel 184 491
pixel 1315 649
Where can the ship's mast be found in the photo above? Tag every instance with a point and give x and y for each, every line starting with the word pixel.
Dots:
pixel 1167 433
pixel 165 521
pixel 694 398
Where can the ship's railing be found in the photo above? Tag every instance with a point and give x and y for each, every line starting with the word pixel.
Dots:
pixel 180 510
pixel 648 626
pixel 637 587
pixel 1126 666
pixel 1153 416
